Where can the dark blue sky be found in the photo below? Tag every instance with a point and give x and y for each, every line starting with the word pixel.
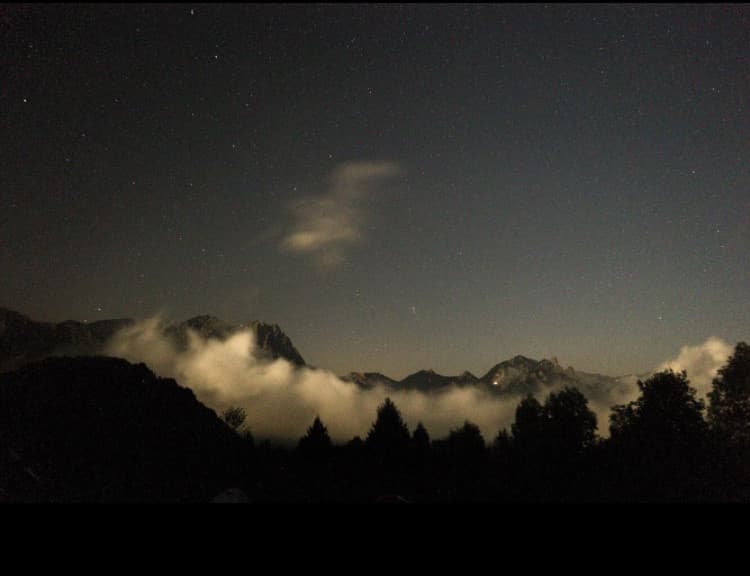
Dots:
pixel 397 187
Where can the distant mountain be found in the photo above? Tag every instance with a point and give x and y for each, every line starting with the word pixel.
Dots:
pixel 426 380
pixel 99 429
pixel 518 376
pixel 204 326
pixel 23 340
pixel 369 379
pixel 270 340
pixel 467 378
pixel 521 375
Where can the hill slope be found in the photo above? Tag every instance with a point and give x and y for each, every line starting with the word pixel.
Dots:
pixel 101 429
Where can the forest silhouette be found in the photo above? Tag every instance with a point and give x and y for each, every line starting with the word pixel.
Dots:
pixel 104 430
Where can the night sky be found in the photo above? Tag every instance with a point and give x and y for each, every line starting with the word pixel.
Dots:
pixel 397 187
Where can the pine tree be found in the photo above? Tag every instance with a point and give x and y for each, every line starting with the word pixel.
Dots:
pixel 316 442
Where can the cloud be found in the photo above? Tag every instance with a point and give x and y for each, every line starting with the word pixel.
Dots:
pixel 281 400
pixel 325 226
pixel 701 362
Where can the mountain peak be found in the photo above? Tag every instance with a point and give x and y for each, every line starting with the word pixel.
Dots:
pixel 23 340
pixel 425 380
pixel 270 339
pixel 202 320
pixel 267 325
pixel 369 379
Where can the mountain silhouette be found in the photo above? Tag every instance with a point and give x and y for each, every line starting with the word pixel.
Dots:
pixel 426 380
pixel 23 340
pixel 271 342
pixel 101 429
pixel 369 379
pixel 518 376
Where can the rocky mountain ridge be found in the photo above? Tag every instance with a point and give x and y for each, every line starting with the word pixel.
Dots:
pixel 23 340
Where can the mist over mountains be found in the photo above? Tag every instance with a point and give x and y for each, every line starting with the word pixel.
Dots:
pixel 256 366
pixel 23 340
pixel 518 376
pixel 143 424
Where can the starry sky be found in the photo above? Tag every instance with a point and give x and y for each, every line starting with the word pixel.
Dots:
pixel 398 187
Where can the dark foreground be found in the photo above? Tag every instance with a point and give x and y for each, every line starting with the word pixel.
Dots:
pixel 95 429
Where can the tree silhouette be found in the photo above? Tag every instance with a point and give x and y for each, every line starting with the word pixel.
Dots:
pixel 548 445
pixel 234 416
pixel 389 434
pixel 501 444
pixel 527 428
pixel 466 442
pixel 421 460
pixel 658 441
pixel 316 442
pixel 421 439
pixel 388 447
pixel 355 444
pixel 501 454
pixel 729 408
pixel 569 426
pixel 729 419
pixel 464 453
pixel 314 449
pixel 666 417
pixel 248 439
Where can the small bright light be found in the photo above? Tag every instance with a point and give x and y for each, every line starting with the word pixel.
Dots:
pixel 494 383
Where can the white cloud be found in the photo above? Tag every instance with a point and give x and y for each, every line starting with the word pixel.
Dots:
pixel 281 400
pixel 325 226
pixel 701 362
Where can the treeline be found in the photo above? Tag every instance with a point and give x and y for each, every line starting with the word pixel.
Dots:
pixel 666 445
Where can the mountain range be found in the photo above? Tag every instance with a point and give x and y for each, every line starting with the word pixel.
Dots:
pixel 23 340
pixel 518 376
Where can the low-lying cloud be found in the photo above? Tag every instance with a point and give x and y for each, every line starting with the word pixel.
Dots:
pixel 701 362
pixel 325 226
pixel 281 400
